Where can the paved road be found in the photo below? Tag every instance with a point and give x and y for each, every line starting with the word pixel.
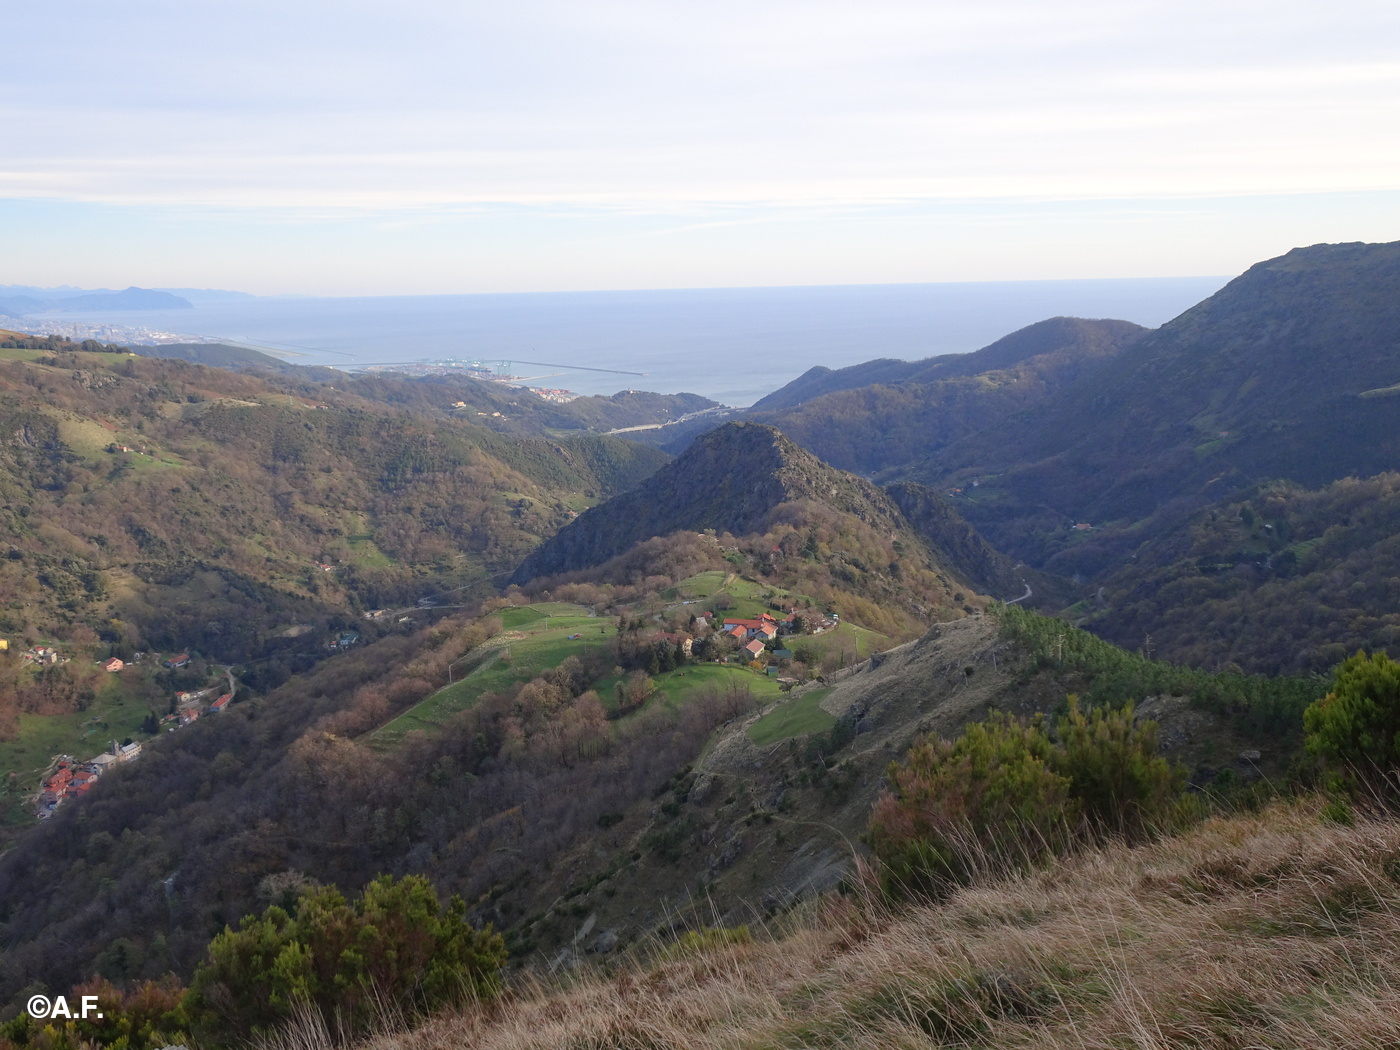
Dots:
pixel 1023 597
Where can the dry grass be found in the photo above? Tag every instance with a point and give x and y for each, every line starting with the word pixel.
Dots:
pixel 1273 930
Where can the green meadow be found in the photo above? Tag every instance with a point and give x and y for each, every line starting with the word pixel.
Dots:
pixel 534 638
pixel 799 716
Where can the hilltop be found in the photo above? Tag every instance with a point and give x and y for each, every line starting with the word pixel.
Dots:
pixel 732 480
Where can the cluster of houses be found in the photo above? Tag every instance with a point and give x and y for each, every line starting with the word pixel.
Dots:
pixel 44 655
pixel 190 705
pixel 72 778
pixel 754 635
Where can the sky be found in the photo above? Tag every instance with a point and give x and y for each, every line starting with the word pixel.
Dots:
pixel 359 148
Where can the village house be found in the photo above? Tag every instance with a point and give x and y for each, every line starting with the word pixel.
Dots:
pixel 177 661
pixel 83 779
pixel 112 665
pixel 765 627
pixel 100 763
pixel 754 649
pixel 220 704
pixel 129 752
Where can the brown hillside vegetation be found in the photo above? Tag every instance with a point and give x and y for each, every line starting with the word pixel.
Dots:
pixel 1249 931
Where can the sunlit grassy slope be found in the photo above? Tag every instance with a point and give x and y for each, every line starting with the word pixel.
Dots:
pixel 1270 930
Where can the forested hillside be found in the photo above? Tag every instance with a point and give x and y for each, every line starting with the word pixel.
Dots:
pixel 822 530
pixel 1286 373
pixel 878 417
pixel 561 791
pixel 123 479
pixel 1288 580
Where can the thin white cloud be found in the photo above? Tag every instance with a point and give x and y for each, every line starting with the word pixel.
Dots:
pixel 684 122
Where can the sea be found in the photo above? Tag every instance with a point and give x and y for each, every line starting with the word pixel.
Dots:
pixel 733 345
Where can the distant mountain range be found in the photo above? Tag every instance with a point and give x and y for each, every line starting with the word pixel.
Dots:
pixel 22 305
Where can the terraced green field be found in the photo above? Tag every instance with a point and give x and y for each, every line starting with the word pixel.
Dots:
pixel 675 687
pixel 535 638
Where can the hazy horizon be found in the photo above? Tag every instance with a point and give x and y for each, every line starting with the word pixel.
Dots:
pixel 731 344
pixel 414 148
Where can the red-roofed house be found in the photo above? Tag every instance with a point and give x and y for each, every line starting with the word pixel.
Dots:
pixel 178 660
pixel 59 780
pixel 112 664
pixel 764 627
pixel 220 704
pixel 754 649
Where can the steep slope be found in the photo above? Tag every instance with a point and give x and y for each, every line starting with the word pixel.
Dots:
pixel 1288 580
pixel 731 480
pixel 934 518
pixel 1287 372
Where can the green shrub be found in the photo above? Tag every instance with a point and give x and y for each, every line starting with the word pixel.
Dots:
pixel 147 1016
pixel 987 800
pixel 1355 729
pixel 1006 794
pixel 1114 770
pixel 396 951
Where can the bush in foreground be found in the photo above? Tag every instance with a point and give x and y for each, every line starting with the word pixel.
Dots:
pixel 1355 729
pixel 1007 794
pixel 990 798
pixel 395 953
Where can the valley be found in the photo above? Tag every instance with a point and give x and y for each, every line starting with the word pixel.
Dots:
pixel 639 707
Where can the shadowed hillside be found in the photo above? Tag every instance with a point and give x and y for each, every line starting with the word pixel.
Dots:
pixel 731 480
pixel 1284 373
